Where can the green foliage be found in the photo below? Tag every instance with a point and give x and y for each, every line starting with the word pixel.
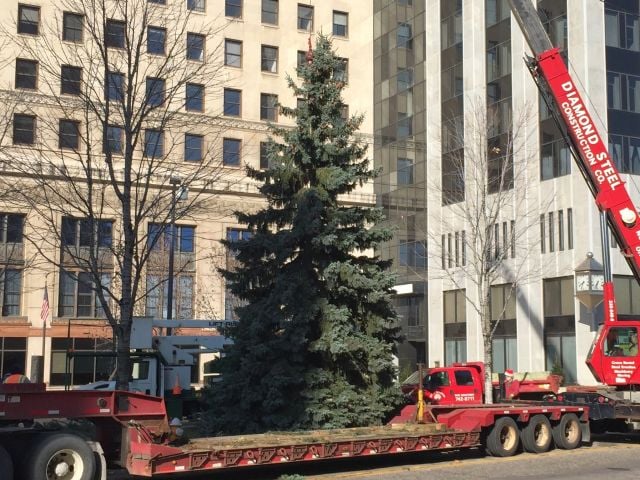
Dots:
pixel 314 342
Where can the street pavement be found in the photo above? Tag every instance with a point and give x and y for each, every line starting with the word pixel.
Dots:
pixel 611 457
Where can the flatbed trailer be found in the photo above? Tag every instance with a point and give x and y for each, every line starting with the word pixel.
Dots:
pixel 40 438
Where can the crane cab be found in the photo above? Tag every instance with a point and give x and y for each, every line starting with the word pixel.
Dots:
pixel 614 358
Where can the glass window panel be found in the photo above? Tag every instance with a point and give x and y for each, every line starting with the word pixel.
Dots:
pixel 187 235
pixel 305 18
pixel 270 12
pixel 72 27
pixel 153 143
pixel 193 147
pixel 231 152
pixel 195 97
pixel 196 5
pixel 156 39
pixel 195 46
pixel 232 102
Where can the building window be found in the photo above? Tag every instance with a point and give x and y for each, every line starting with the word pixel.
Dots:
pixel 11 288
pixel 405 171
pixel 542 235
pixel 24 129
pixel 570 228
pixel 153 143
pixel 231 302
pixel 69 134
pixel 114 86
pixel 341 72
pixel 268 107
pixel 560 230
pixel 81 369
pixel 503 318
pixel 627 292
pixel 232 102
pixel 159 238
pixel 269 58
pixel 155 91
pixel 181 300
pixel 11 228
pixel 26 74
pixel 72 26
pixel 412 253
pixel 231 152
pixel 195 46
pixel 28 19
pixel 264 155
pixel 195 97
pixel 340 24
pixel 156 40
pixel 115 34
pixel 70 80
pixel 193 147
pixel 270 12
pixel 305 18
pixel 455 331
pixel 196 5
pixel 403 36
pixel 86 232
pixel 301 60
pixel 158 2
pixel 233 53
pixel 552 233
pixel 78 297
pixel 113 139
pixel 559 327
pixel 13 354
pixel 233 8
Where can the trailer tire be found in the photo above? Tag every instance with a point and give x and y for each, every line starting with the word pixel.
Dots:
pixel 503 438
pixel 537 434
pixel 6 464
pixel 61 456
pixel 567 433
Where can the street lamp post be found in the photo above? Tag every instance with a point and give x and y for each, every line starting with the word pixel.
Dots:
pixel 176 184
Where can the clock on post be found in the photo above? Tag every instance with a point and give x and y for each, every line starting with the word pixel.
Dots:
pixel 589 282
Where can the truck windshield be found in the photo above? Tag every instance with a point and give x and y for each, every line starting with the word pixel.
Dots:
pixel 621 342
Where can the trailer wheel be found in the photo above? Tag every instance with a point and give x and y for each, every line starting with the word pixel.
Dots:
pixel 61 456
pixel 567 433
pixel 536 435
pixel 503 438
pixel 6 464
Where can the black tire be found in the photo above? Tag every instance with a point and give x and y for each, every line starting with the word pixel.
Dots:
pixel 567 433
pixel 65 453
pixel 503 438
pixel 6 464
pixel 537 434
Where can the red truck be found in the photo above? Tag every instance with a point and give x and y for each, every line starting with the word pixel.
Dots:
pixel 463 384
pixel 132 430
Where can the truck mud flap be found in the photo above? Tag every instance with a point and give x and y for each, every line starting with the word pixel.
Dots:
pixel 586 432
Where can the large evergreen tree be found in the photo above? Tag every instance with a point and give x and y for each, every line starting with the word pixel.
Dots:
pixel 313 346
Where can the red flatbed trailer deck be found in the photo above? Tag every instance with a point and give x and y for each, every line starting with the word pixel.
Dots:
pixel 132 429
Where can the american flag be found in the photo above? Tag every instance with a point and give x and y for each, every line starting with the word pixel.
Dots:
pixel 44 311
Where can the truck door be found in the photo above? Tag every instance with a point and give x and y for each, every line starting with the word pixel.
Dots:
pixel 142 377
pixel 466 389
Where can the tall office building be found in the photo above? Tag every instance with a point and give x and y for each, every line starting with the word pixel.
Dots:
pixel 433 74
pixel 252 46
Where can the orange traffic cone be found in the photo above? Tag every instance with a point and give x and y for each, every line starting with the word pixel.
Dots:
pixel 177 389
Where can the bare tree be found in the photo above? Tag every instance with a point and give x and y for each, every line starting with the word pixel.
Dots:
pixel 484 234
pixel 122 134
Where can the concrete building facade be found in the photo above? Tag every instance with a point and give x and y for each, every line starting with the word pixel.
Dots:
pixel 253 45
pixel 471 59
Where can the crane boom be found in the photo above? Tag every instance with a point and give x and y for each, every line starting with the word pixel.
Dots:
pixel 603 179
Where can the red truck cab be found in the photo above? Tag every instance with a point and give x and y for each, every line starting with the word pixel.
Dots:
pixel 463 384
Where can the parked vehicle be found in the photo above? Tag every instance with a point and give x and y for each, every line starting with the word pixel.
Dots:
pixel 463 384
pixel 133 430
